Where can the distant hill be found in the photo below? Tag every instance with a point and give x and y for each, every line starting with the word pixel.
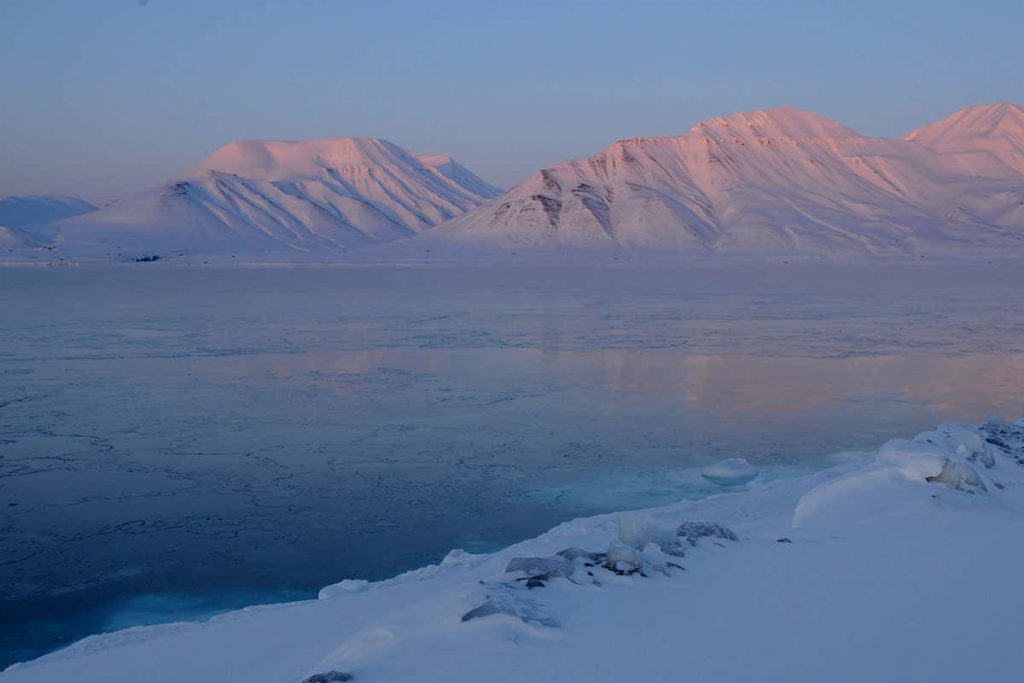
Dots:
pixel 260 196
pixel 35 209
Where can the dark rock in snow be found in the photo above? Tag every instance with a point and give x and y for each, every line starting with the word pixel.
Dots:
pixel 694 531
pixel 328 677
pixel 998 443
pixel 1005 436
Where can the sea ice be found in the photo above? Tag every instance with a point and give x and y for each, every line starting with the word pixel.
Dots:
pixel 730 472
pixel 861 593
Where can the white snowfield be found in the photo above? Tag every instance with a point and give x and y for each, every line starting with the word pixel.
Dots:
pixel 902 565
pixel 258 196
pixel 774 181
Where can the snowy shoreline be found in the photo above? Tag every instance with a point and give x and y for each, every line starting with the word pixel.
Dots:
pixel 899 566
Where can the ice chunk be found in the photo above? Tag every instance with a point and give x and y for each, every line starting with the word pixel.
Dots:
pixel 579 553
pixel 459 558
pixel 960 476
pixel 527 611
pixel 622 559
pixel 985 457
pixel 915 460
pixel 929 462
pixel 541 567
pixel 730 472
pixel 342 587
pixel 960 442
pixel 637 531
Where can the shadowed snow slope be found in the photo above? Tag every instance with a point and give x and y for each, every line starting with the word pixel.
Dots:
pixel 780 180
pixel 900 565
pixel 22 218
pixel 258 196
pixel 34 209
pixel 11 238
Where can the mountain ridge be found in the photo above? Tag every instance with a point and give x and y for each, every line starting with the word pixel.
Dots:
pixel 982 139
pixel 777 180
pixel 271 195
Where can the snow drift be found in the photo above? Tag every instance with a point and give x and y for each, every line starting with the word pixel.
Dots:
pixel 880 567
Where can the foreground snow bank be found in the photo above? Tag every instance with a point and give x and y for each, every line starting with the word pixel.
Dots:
pixel 902 565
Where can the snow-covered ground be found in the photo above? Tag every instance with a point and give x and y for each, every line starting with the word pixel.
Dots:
pixel 893 566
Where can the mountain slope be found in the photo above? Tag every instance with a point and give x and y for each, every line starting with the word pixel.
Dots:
pixel 981 140
pixel 36 209
pixel 12 238
pixel 779 181
pixel 277 195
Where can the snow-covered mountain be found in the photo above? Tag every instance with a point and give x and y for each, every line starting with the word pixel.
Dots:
pixel 21 216
pixel 769 181
pixel 11 238
pixel 254 196
pixel 982 140
pixel 35 209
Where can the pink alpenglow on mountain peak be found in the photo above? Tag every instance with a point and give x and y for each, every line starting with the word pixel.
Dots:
pixel 775 181
pixel 1002 120
pixel 987 139
pixel 255 196
pixel 781 123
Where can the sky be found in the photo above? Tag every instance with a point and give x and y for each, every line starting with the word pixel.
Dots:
pixel 102 98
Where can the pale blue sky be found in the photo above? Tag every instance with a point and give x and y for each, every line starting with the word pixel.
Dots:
pixel 104 97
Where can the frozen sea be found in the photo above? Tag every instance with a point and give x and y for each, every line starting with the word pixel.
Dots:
pixel 177 441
